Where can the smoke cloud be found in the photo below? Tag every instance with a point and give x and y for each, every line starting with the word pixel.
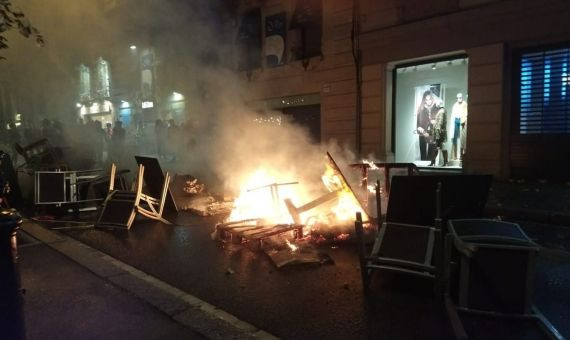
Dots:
pixel 224 140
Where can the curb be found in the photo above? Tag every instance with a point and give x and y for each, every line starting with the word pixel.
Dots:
pixel 184 308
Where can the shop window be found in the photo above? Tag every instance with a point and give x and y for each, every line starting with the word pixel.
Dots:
pixel 430 112
pixel 544 100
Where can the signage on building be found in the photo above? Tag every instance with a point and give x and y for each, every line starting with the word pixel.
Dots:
pixel 147 74
pixel 84 83
pixel 249 40
pixel 103 83
pixel 275 31
pixel 306 29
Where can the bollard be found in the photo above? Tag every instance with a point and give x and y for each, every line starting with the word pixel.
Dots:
pixel 11 301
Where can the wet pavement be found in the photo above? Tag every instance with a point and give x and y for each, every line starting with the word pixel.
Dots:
pixel 315 301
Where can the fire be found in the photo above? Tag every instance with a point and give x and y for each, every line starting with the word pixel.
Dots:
pixel 371 164
pixel 263 199
pixel 371 167
pixel 259 200
pixel 291 246
pixel 347 204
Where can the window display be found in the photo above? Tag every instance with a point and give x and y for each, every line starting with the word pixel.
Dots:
pixel 427 123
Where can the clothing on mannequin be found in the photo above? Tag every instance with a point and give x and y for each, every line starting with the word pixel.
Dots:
pixel 459 119
pixel 439 135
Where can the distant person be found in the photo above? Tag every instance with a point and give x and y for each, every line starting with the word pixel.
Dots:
pixel 98 139
pixel 47 130
pixel 14 137
pixel 160 134
pixel 58 135
pixel 118 141
pixel 108 131
pixel 173 139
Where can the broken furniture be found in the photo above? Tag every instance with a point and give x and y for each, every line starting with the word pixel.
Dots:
pixel 255 231
pixel 154 181
pixel 41 155
pixel 410 240
pixel 492 272
pixel 64 187
pixel 365 168
pixel 121 206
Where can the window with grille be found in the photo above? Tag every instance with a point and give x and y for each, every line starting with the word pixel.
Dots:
pixel 545 92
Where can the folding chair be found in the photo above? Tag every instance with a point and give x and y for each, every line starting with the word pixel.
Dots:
pixel 121 206
pixel 154 180
pixel 410 241
pixel 41 155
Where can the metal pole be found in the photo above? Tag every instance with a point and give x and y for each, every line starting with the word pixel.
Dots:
pixel 378 205
pixel 361 250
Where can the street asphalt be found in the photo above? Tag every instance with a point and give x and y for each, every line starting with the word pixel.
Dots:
pixel 316 301
pixel 64 300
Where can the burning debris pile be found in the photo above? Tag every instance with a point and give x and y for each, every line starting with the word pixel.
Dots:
pixel 267 211
pixel 192 187
pixel 192 196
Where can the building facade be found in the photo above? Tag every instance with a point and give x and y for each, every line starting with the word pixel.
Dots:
pixel 507 60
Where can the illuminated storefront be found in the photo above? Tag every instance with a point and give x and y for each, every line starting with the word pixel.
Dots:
pixel 430 112
pixel 95 93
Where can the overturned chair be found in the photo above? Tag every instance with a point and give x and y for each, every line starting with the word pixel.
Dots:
pixel 121 206
pixel 410 241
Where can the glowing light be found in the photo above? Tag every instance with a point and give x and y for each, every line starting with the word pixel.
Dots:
pixel 291 246
pixel 133 47
pixel 258 203
pixel 78 105
pixel 147 105
pixel 107 106
pixel 371 164
pixel 177 96
pixel 125 104
pixel 94 108
pixel 268 120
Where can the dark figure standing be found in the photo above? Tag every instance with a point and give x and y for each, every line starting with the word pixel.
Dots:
pixel 160 134
pixel 14 138
pixel 117 141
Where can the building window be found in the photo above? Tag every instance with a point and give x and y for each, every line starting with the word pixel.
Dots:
pixel 543 101
pixel 430 112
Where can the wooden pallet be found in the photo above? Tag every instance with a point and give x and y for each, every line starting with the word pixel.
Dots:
pixel 248 230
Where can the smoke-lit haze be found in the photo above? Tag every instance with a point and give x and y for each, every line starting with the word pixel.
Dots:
pixel 229 143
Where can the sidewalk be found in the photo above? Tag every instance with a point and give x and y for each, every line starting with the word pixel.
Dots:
pixel 76 292
pixel 541 202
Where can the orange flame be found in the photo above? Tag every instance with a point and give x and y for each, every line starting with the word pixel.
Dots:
pixel 263 194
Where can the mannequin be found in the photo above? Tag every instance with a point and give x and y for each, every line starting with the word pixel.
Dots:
pixel 439 135
pixel 459 119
